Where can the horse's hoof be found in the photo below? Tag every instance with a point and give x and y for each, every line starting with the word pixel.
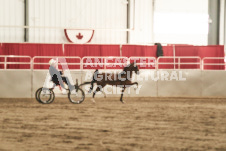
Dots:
pixel 93 100
pixel 122 101
pixel 135 88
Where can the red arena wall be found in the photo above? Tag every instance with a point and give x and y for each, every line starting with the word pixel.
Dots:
pixel 29 49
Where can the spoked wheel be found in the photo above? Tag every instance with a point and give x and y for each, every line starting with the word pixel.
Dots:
pixel 76 96
pixel 45 95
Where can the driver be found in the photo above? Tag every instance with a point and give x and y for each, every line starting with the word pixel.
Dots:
pixel 57 77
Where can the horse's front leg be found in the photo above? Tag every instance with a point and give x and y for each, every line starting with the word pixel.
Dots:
pixel 128 84
pixel 103 93
pixel 99 88
pixel 123 89
pixel 94 93
pixel 134 83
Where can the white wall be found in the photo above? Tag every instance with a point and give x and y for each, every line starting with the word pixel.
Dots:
pixel 169 27
pixel 194 83
pixel 175 21
pixel 98 14
pixel 222 22
pixel 11 13
pixel 80 14
pixel 15 84
pixel 181 21
pixel 142 21
pixel 213 83
pixel 189 86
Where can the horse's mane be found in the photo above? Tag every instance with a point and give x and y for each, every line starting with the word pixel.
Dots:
pixel 128 66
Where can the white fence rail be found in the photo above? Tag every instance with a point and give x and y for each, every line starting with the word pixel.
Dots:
pixel 61 60
pixel 87 62
pixel 104 62
pixel 146 62
pixel 213 61
pixel 15 61
pixel 178 61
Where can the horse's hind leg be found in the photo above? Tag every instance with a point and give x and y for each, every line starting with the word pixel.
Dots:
pixel 94 93
pixel 97 90
pixel 123 89
pixel 135 84
pixel 103 93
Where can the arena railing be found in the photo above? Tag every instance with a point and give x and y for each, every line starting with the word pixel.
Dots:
pixel 177 62
pixel 110 62
pixel 75 62
pixel 144 62
pixel 16 62
pixel 212 62
pixel 61 60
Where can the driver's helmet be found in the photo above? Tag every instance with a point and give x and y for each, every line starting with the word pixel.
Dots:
pixel 52 62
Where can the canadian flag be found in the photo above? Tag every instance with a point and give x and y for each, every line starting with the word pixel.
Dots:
pixel 79 36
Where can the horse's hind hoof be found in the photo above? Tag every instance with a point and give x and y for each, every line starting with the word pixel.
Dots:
pixel 93 100
pixel 122 101
pixel 135 88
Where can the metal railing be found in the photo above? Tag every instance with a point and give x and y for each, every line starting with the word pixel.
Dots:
pixel 59 59
pixel 146 62
pixel 6 62
pixel 104 62
pixel 108 62
pixel 177 61
pixel 213 63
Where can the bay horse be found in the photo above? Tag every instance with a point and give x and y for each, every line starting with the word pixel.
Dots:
pixel 122 79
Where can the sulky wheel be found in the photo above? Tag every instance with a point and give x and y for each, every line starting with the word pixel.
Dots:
pixel 44 95
pixel 76 96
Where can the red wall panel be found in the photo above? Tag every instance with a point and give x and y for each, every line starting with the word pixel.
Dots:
pixel 28 49
pixel 31 50
pixel 137 50
pixel 201 51
pixel 91 50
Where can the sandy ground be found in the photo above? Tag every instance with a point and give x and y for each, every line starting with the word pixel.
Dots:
pixel 140 124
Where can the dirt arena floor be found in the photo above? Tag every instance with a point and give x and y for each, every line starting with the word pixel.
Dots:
pixel 139 124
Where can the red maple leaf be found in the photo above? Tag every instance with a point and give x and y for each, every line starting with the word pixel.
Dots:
pixel 79 36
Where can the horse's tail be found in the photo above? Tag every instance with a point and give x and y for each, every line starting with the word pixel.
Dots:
pixel 93 80
pixel 84 83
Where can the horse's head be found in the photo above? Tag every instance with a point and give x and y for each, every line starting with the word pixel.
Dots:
pixel 134 67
